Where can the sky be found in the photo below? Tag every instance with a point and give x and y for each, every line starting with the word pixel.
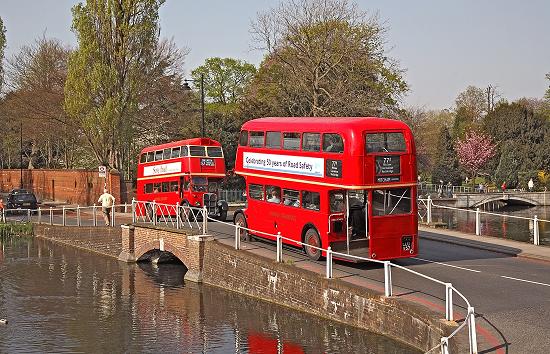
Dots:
pixel 444 46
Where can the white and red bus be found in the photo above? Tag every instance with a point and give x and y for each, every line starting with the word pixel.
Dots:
pixel 348 183
pixel 188 172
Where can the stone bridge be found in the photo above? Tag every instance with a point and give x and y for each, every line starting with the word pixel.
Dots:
pixel 475 200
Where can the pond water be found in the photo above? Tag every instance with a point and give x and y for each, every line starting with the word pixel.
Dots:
pixel 63 300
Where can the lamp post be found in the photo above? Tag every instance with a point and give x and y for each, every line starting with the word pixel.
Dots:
pixel 21 156
pixel 187 88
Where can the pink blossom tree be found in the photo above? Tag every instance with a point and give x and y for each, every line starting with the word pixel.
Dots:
pixel 474 151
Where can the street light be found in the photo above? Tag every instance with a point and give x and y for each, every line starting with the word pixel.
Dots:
pixel 187 88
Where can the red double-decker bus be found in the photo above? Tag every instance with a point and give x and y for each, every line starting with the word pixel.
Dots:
pixel 347 183
pixel 188 172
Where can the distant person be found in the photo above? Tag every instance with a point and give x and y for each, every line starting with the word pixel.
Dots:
pixel 530 185
pixel 2 217
pixel 107 202
pixel 480 187
pixel 274 197
pixel 503 187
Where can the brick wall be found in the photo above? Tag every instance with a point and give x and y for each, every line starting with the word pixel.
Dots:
pixel 103 240
pixel 81 187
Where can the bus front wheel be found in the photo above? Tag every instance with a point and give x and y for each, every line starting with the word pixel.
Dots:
pixel 312 238
pixel 240 220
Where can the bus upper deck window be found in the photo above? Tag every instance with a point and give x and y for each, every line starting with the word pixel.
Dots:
pixel 143 158
pixel 167 153
pixel 311 142
pixel 175 152
pixel 333 143
pixel 291 141
pixel 385 142
pixel 273 140
pixel 184 151
pixel 243 138
pixel 150 156
pixel 197 151
pixel 158 155
pixel 214 151
pixel 256 139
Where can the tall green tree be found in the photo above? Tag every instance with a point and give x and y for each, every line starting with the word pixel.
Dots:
pixel 324 58
pixel 116 45
pixel 446 167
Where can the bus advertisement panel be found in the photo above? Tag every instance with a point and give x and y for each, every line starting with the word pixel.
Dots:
pixel 188 172
pixel 347 183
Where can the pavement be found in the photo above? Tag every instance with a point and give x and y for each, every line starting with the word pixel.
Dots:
pixel 487 243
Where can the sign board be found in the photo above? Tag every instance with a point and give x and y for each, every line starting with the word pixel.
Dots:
pixel 388 165
pixel 103 171
pixel 333 168
pixel 173 167
pixel 297 165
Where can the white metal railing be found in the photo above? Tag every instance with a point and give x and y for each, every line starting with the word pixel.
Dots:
pixel 429 205
pixel 388 284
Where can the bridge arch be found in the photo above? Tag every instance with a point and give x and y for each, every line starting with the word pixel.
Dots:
pixel 160 248
pixel 508 199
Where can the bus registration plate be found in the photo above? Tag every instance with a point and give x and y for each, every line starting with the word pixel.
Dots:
pixel 406 243
pixel 207 162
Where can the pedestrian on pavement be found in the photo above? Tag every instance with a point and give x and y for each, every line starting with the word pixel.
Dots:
pixel 480 187
pixel 530 184
pixel 2 217
pixel 107 202
pixel 503 187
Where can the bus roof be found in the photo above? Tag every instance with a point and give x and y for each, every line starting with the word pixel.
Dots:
pixel 324 123
pixel 192 141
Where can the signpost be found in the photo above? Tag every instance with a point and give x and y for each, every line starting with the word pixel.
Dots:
pixel 103 171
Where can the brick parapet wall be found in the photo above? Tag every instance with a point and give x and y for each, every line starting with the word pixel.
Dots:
pixel 81 187
pixel 102 240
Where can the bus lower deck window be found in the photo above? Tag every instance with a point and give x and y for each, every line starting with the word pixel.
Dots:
pixel 291 198
pixel 174 186
pixel 336 201
pixel 391 201
pixel 311 200
pixel 165 187
pixel 256 191
pixel 273 194
pixel 149 188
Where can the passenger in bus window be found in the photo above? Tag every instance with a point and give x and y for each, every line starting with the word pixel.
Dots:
pixel 275 196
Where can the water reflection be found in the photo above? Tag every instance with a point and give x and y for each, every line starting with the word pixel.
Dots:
pixel 499 226
pixel 59 299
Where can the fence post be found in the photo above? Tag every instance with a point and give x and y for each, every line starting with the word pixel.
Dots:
pixel 133 210
pixel 94 215
pixel 28 215
pixel 125 207
pixel 279 247
pixel 329 262
pixel 113 211
pixel 78 221
pixel 472 330
pixel 429 213
pixel 237 237
pixel 51 216
pixel 2 215
pixel 154 213
pixel 63 217
pixel 39 215
pixel 478 222
pixel 444 345
pixel 387 279
pixel 536 236
pixel 449 301
pixel 204 220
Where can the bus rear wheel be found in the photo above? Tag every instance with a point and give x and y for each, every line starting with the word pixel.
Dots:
pixel 312 238
pixel 240 220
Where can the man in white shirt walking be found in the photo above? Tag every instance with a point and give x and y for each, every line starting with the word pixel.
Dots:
pixel 107 201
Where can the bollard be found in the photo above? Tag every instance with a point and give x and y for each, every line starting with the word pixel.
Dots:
pixel 39 215
pixel 78 221
pixel 51 216
pixel 279 247
pixel 237 237
pixel 133 210
pixel 478 222
pixel 177 215
pixel 113 211
pixel 449 302
pixel 154 213
pixel 536 235
pixel 204 220
pixel 125 207
pixel 444 345
pixel 63 217
pixel 472 330
pixel 28 215
pixel 429 212
pixel 329 263
pixel 387 279
pixel 94 216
